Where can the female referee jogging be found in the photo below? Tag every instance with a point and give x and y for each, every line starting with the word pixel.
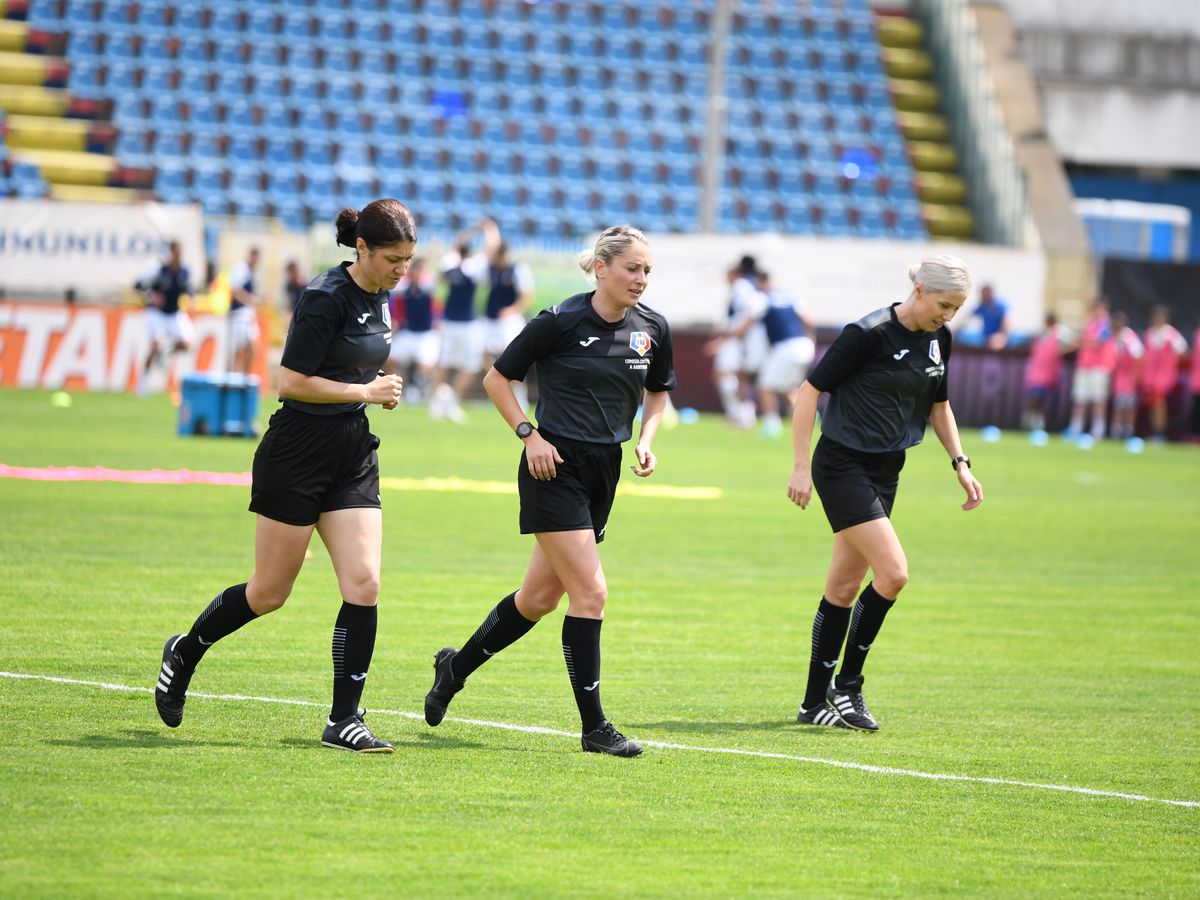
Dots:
pixel 886 375
pixel 598 355
pixel 316 467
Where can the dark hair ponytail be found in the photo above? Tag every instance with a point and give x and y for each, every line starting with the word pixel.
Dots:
pixel 380 223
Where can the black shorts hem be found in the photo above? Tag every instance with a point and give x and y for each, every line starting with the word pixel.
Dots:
pixel 280 519
pixel 591 528
pixel 353 506
pixel 861 520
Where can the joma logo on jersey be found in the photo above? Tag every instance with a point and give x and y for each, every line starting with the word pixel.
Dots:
pixel 639 342
pixel 935 352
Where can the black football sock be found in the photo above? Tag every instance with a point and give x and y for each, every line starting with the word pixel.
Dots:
pixel 581 650
pixel 504 625
pixel 353 645
pixel 869 612
pixel 228 612
pixel 829 630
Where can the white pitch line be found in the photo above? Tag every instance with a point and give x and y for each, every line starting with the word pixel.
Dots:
pixel 662 745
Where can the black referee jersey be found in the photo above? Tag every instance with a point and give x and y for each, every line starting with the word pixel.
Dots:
pixel 882 381
pixel 339 332
pixel 591 373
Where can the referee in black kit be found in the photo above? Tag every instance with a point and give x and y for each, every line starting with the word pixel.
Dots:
pixel 316 467
pixel 886 375
pixel 598 355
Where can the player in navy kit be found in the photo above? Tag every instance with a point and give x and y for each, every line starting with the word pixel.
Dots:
pixel 316 468
pixel 463 270
pixel 510 294
pixel 415 339
pixel 167 325
pixel 598 355
pixel 886 375
pixel 790 351
pixel 244 302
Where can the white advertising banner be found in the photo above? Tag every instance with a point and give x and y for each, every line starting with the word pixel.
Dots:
pixel 839 280
pixel 96 250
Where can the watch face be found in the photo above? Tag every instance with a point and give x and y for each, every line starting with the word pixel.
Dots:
pixel 524 430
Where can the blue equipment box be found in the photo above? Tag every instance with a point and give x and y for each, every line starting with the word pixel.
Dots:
pixel 219 404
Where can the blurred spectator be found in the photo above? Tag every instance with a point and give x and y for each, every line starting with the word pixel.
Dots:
pixel 1043 370
pixel 294 283
pixel 168 328
pixel 992 313
pixel 1093 371
pixel 1165 347
pixel 244 301
pixel 415 343
pixel 791 350
pixel 1126 369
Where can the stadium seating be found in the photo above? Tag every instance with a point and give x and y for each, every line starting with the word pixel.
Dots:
pixel 554 117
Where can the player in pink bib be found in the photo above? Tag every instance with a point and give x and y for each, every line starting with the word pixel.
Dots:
pixel 1043 370
pixel 1093 369
pixel 1126 370
pixel 1165 347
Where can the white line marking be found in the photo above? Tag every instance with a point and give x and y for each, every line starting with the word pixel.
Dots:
pixel 663 745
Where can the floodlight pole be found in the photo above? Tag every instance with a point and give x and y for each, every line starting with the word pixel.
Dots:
pixel 714 131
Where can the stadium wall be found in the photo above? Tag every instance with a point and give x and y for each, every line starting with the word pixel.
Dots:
pixel 1120 81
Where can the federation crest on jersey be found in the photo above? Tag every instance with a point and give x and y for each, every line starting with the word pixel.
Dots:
pixel 386 314
pixel 935 352
pixel 639 341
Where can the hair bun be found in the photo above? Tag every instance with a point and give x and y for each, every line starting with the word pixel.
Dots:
pixel 347 227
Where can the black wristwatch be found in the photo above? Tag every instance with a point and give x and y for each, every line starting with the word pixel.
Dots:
pixel 960 459
pixel 524 430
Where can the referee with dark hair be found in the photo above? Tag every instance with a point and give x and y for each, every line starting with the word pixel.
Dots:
pixel 317 468
pixel 886 375
pixel 598 355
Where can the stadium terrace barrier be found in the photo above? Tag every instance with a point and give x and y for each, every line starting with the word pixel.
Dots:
pixel 89 348
pixel 987 387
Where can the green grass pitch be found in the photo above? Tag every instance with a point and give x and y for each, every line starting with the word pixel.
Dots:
pixel 1049 640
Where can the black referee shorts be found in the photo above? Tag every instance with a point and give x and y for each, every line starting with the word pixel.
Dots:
pixel 581 494
pixel 306 465
pixel 855 487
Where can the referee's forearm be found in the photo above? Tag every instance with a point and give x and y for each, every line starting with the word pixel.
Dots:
pixel 313 389
pixel 804 417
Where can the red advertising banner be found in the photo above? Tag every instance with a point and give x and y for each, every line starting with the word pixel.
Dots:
pixel 102 348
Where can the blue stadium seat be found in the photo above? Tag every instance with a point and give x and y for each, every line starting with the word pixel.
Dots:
pixel 263 21
pixel 170 177
pixel 297 23
pixel 194 49
pixel 226 21
pixel 317 153
pixel 203 147
pixel 341 90
pixel 209 178
pixel 306 86
pixel 279 152
pixel 243 148
pixel 171 143
pixel 229 52
pixel 267 54
pixel 117 13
